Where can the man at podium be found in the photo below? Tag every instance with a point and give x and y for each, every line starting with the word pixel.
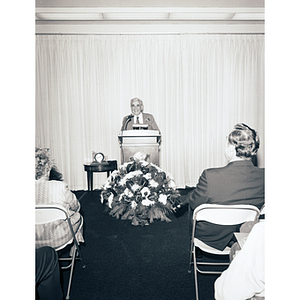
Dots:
pixel 138 119
pixel 139 133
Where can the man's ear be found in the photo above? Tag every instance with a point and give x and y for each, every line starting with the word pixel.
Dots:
pixel 231 148
pixel 231 152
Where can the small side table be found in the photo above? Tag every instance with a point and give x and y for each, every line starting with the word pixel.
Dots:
pixel 107 166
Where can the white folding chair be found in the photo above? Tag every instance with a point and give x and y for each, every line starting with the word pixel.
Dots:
pixel 50 213
pixel 221 215
pixel 262 213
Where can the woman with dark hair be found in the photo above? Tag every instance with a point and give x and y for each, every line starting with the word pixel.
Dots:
pixel 239 182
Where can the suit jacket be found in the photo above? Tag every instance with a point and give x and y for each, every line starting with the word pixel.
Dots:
pixel 147 119
pixel 240 182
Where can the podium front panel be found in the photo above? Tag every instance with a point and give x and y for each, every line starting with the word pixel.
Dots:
pixel 140 140
pixel 151 150
pixel 139 136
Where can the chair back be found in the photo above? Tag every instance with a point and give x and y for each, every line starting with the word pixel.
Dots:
pixel 49 213
pixel 263 210
pixel 226 214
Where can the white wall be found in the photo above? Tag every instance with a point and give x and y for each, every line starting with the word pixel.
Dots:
pixel 197 87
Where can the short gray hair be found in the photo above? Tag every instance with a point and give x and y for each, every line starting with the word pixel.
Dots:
pixel 140 101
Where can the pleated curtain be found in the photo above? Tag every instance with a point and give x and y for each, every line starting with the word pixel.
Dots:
pixel 196 86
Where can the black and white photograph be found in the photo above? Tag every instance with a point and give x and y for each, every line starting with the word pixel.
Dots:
pixel 149 120
pixel 171 96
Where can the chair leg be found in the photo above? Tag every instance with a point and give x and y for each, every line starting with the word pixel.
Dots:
pixel 190 262
pixel 80 255
pixel 73 256
pixel 195 273
pixel 191 258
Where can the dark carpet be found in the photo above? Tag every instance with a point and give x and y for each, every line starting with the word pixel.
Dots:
pixel 129 262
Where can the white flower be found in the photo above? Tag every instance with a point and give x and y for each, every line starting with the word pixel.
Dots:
pixel 139 156
pixel 163 199
pixel 124 166
pixel 147 176
pixel 145 192
pixel 133 204
pixel 153 183
pixel 122 182
pixel 128 193
pixel 172 184
pixel 110 200
pixel 114 173
pixel 135 187
pixel 133 174
pixel 106 185
pixel 147 202
pixel 144 163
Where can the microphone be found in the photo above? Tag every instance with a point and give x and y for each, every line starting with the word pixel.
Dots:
pixel 127 121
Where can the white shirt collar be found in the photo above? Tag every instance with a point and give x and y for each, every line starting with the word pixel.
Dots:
pixel 140 118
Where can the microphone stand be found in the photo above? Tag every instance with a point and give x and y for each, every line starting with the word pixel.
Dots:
pixel 125 128
pixel 126 122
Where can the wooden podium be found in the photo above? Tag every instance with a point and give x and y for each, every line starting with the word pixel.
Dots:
pixel 145 141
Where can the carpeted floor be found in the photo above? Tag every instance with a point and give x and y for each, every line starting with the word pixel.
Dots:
pixel 125 262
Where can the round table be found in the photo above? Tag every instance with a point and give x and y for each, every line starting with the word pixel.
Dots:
pixel 106 166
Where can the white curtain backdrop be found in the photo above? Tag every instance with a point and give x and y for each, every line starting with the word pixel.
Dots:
pixel 196 86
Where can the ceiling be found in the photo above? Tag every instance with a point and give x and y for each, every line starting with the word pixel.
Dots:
pixel 149 16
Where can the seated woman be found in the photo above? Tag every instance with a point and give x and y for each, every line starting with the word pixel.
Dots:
pixel 141 192
pixel 51 189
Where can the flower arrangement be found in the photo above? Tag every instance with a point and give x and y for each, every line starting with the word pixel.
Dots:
pixel 141 192
pixel 43 162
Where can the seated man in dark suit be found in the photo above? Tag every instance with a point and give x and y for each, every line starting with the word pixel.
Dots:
pixel 239 182
pixel 137 116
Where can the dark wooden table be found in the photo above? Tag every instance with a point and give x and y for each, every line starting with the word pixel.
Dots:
pixel 90 168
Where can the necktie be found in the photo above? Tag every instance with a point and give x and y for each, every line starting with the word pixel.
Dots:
pixel 137 120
